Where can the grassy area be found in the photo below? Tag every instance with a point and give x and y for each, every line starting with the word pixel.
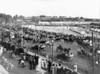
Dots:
pixel 84 64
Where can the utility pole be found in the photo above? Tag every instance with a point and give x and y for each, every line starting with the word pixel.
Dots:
pixel 93 59
pixel 98 61
pixel 38 46
pixel 22 40
pixel 52 51
pixel 2 35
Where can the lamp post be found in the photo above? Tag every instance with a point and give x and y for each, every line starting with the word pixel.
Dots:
pixel 22 40
pixel 93 60
pixel 98 61
pixel 52 56
pixel 38 46
pixel 52 50
pixel 2 35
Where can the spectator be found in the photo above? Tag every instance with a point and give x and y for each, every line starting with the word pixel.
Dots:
pixel 59 69
pixel 71 55
pixel 53 68
pixel 75 67
pixel 31 63
pixel 1 51
pixel 43 63
pixel 21 62
pixel 49 65
pixel 36 59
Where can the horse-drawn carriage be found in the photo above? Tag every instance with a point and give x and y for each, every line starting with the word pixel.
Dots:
pixel 84 53
pixel 63 57
pixel 60 49
pixel 63 53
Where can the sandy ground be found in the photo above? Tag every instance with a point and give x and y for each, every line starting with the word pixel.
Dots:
pixel 64 30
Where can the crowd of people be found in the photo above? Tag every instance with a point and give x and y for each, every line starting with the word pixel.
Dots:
pixel 46 64
pixel 7 64
pixel 38 62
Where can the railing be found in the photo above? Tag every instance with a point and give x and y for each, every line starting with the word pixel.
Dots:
pixel 31 53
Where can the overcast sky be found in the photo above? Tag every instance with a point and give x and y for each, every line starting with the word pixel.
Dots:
pixel 73 8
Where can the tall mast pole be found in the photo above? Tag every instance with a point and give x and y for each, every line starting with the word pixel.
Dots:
pixel 93 60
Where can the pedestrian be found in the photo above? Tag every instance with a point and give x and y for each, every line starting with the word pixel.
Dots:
pixel 59 69
pixel 46 64
pixel 1 51
pixel 53 68
pixel 39 64
pixel 49 66
pixel 42 63
pixel 75 67
pixel 33 63
pixel 21 62
pixel 30 63
pixel 36 59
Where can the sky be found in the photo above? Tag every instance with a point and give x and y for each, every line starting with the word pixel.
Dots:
pixel 70 8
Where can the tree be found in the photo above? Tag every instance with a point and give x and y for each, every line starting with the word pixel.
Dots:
pixel 15 17
pixel 5 18
pixel 35 19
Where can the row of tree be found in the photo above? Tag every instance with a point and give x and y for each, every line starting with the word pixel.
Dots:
pixel 60 18
pixel 5 18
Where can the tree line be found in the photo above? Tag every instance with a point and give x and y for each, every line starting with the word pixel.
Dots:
pixel 6 18
pixel 60 18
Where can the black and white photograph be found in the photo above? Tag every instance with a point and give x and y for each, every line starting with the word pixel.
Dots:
pixel 49 36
